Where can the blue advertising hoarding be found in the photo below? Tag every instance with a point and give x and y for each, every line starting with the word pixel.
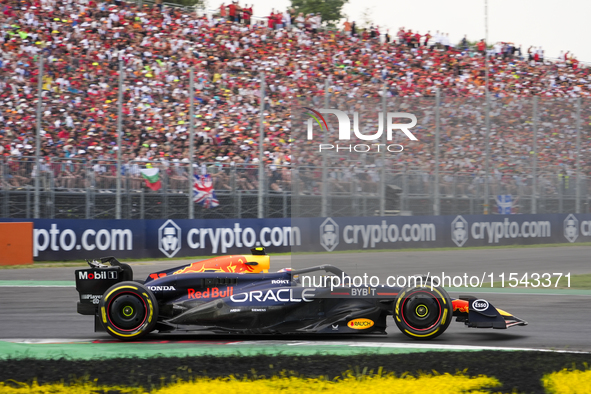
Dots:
pixel 69 239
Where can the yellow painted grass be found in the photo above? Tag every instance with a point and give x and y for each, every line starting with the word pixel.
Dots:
pixel 441 384
pixel 568 381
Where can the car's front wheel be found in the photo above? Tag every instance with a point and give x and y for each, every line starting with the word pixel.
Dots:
pixel 422 312
pixel 128 311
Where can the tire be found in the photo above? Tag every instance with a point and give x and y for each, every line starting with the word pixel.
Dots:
pixel 421 313
pixel 128 311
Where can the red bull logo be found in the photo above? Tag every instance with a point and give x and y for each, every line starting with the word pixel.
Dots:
pixel 461 306
pixel 214 292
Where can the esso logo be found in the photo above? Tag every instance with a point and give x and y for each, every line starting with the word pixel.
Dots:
pixel 480 305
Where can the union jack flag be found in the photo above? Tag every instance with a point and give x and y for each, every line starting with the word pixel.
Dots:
pixel 203 192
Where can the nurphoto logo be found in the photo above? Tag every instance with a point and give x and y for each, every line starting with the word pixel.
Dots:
pixel 345 130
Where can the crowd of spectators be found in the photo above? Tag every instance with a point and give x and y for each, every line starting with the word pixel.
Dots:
pixel 81 42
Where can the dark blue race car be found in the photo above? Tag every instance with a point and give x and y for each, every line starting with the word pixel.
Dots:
pixel 237 295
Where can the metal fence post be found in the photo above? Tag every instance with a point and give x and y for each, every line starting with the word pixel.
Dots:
pixel 261 210
pixel 93 193
pixel 487 161
pixel 38 137
pixel 142 203
pixel 129 194
pixel 239 205
pixel 578 161
pixel 50 192
pixel 295 191
pixel 487 116
pixel 437 205
pixel 324 207
pixel 4 170
pixel 191 142
pixel 383 154
pixel 87 169
pixel 404 206
pixel 119 131
pixel 165 190
pixel 534 197
pixel 28 203
pixel 285 215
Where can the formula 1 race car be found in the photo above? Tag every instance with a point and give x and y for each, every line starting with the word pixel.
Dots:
pixel 237 294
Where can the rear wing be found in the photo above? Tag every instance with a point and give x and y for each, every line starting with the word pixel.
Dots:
pixel 91 283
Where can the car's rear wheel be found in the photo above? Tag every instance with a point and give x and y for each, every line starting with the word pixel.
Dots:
pixel 128 311
pixel 422 312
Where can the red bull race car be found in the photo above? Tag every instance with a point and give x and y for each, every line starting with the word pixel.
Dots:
pixel 238 295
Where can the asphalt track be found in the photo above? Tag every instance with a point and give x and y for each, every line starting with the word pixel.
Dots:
pixel 557 320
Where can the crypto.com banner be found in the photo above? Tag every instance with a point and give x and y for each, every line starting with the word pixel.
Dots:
pixel 359 233
pixel 74 239
pixel 63 239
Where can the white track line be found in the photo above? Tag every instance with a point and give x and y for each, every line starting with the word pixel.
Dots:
pixel 376 345
pixel 62 286
pixel 401 346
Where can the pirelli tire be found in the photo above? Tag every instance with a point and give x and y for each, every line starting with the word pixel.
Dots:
pixel 128 311
pixel 422 312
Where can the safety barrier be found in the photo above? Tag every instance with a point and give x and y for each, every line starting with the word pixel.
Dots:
pixel 65 239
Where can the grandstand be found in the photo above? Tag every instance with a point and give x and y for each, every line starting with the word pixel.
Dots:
pixel 82 42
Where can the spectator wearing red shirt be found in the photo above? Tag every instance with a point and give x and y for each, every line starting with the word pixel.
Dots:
pixel 427 38
pixel 417 40
pixel 232 11
pixel 246 14
pixel 278 20
pixel 156 109
pixel 481 46
pixel 271 20
pixel 408 37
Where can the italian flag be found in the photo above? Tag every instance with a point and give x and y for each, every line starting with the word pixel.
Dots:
pixel 152 177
